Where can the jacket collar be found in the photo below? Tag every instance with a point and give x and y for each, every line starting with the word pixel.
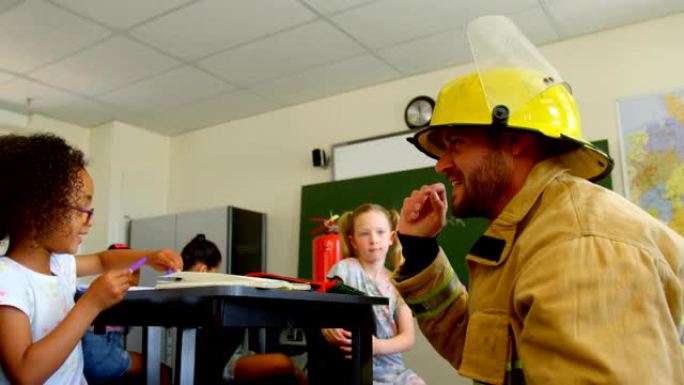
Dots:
pixel 493 247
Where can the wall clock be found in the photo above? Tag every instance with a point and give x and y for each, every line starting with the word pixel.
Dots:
pixel 418 112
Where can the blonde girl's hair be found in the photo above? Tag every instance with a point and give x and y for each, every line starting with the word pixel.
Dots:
pixel 345 228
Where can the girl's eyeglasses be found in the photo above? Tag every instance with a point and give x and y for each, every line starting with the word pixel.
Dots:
pixel 89 212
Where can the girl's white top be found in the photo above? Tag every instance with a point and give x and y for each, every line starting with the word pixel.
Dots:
pixel 46 300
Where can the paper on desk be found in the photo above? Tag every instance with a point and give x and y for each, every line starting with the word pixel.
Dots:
pixel 195 279
pixel 83 288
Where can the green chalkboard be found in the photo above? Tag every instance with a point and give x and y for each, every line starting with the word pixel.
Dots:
pixel 389 190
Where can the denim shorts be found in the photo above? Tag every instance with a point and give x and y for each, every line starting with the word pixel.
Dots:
pixel 104 356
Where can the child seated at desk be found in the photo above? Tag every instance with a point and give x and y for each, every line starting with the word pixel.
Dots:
pixel 201 255
pixel 105 359
pixel 46 198
pixel 368 236
pixel 214 345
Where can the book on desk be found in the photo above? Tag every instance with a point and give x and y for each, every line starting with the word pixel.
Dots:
pixel 196 279
pixel 187 279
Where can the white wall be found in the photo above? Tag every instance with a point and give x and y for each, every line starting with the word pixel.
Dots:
pixel 261 163
pixel 75 135
pixel 130 168
pixel 100 169
pixel 12 122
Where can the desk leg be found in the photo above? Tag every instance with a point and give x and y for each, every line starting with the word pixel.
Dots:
pixel 186 359
pixel 326 363
pixel 152 353
pixel 362 351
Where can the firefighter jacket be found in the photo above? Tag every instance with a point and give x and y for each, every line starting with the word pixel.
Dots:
pixel 572 283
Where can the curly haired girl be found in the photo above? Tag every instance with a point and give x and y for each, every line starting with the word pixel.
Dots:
pixel 45 209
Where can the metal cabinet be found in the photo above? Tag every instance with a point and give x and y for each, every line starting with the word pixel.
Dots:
pixel 240 235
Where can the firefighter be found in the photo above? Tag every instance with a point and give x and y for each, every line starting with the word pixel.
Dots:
pixel 571 283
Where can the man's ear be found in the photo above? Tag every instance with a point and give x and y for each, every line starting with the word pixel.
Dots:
pixel 202 268
pixel 522 143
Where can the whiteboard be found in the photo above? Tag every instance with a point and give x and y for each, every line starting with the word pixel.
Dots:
pixel 377 155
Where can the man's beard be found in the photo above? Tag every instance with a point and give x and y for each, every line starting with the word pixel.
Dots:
pixel 482 189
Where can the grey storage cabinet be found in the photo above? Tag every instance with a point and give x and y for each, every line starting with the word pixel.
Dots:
pixel 240 235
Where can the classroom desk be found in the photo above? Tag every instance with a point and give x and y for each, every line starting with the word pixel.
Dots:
pixel 238 306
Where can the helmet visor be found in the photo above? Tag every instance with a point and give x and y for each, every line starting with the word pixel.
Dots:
pixel 511 69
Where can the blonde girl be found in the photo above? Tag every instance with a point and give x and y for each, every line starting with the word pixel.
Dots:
pixel 368 239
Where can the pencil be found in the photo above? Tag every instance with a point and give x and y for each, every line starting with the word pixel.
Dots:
pixel 136 265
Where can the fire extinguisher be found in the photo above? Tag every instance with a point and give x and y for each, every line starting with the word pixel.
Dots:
pixel 325 248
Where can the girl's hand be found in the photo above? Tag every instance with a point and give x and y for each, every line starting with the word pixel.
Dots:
pixel 337 336
pixel 341 338
pixel 424 212
pixel 164 259
pixel 108 289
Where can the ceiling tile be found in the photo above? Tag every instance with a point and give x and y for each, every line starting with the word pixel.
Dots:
pixel 282 54
pixel 577 17
pixel 17 91
pixel 6 4
pixel 358 72
pixel 328 7
pixel 224 108
pixel 4 77
pixel 121 14
pixel 433 52
pixel 536 26
pixel 210 26
pixel 498 7
pixel 178 86
pixel 389 22
pixel 34 34
pixel 80 111
pixel 105 66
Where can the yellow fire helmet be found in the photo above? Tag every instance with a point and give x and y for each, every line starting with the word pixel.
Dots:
pixel 514 88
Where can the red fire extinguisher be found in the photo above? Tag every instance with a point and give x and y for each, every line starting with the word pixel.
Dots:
pixel 325 248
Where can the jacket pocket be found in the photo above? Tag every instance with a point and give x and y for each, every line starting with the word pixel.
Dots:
pixel 486 349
